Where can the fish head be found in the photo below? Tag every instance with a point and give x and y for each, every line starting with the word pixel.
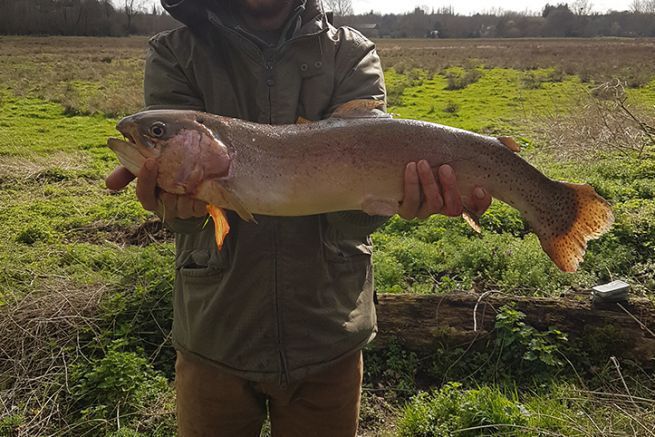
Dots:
pixel 151 131
pixel 187 151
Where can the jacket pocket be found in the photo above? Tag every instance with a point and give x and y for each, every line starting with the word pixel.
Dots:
pixel 346 250
pixel 197 263
pixel 336 248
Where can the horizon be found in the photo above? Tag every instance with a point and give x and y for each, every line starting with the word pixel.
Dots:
pixel 532 7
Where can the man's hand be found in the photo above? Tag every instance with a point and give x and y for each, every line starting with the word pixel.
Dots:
pixel 439 197
pixel 167 205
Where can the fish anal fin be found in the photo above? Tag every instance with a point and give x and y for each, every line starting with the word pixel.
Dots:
pixel 218 192
pixel 510 143
pixel 472 219
pixel 221 225
pixel 585 216
pixel 361 108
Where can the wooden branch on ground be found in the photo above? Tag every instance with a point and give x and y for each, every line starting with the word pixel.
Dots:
pixel 422 322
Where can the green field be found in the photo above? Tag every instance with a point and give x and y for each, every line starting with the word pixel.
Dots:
pixel 86 278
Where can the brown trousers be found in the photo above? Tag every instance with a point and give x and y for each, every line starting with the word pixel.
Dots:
pixel 211 402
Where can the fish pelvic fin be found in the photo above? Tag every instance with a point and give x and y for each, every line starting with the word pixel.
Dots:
pixel 221 225
pixel 588 216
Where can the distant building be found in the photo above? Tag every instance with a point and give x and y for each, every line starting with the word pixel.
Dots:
pixel 369 30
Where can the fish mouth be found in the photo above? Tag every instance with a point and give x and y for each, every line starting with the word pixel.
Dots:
pixel 116 144
pixel 128 136
pixel 129 155
pixel 136 141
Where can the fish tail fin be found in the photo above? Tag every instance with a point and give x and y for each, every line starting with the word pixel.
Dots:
pixel 221 226
pixel 579 215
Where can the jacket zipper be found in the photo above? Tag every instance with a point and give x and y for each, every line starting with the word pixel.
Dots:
pixel 270 81
pixel 284 369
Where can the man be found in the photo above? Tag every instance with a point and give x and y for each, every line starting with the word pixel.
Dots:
pixel 277 319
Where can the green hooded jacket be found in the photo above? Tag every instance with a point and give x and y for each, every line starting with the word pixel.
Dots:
pixel 288 295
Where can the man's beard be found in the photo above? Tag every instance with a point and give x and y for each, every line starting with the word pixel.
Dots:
pixel 263 8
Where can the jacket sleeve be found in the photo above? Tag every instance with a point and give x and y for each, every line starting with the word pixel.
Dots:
pixel 358 75
pixel 167 86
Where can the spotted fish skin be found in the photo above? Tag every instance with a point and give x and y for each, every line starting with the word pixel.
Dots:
pixel 358 163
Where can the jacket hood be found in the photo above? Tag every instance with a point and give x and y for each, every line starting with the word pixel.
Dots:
pixel 197 14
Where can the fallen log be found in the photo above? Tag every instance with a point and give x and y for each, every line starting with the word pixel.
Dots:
pixel 424 322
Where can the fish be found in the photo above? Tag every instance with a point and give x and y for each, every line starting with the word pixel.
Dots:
pixel 354 160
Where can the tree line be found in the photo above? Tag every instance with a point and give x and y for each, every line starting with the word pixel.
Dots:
pixel 81 17
pixel 103 18
pixel 561 20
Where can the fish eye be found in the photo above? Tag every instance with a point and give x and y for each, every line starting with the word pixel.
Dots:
pixel 158 129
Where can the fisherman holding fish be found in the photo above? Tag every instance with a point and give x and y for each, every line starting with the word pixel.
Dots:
pixel 274 322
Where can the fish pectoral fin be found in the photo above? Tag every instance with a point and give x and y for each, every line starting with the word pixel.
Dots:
pixel 472 219
pixel 510 143
pixel 218 192
pixel 303 120
pixel 221 225
pixel 361 108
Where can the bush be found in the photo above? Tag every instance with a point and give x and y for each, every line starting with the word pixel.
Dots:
pixel 454 411
pixel 33 233
pixel 451 108
pixel 460 79
pixel 117 385
pixel 523 347
pixel 393 368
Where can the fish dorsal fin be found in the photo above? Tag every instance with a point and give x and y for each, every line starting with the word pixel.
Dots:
pixel 510 143
pixel 361 108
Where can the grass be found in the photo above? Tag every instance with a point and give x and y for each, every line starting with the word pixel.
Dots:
pixel 86 278
pixel 591 59
pixel 492 104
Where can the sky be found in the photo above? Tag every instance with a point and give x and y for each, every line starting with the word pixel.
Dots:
pixel 468 7
pixel 472 6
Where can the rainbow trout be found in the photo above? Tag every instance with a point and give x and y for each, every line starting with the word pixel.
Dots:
pixel 349 162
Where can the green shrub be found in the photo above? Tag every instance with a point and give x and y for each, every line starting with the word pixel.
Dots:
pixel 459 79
pixel 10 424
pixel 502 218
pixel 389 273
pixel 451 108
pixel 524 347
pixel 453 411
pixel 119 384
pixel 393 368
pixel 33 233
